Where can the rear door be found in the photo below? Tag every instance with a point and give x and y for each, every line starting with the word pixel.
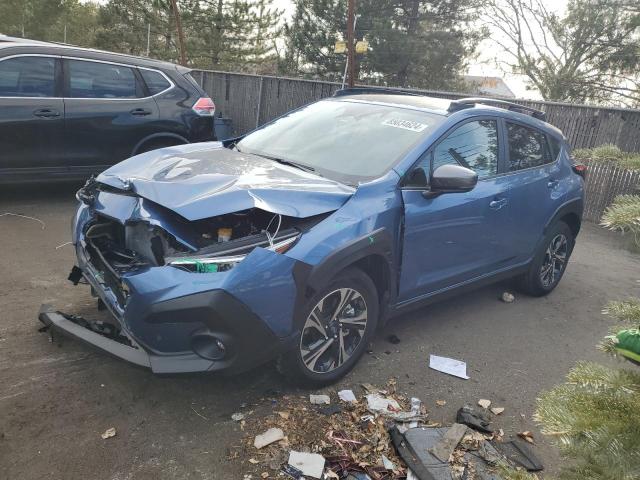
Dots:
pixel 108 112
pixel 535 190
pixel 31 113
pixel 457 237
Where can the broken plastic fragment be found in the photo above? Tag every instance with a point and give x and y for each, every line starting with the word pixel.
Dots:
pixel 310 464
pixel 451 366
pixel 484 403
pixel 347 396
pixel 319 399
pixel 237 417
pixel 110 432
pixel 268 437
pixel 497 410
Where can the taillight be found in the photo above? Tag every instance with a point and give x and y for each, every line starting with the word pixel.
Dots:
pixel 204 106
pixel 580 169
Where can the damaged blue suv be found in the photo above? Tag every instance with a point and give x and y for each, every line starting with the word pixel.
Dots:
pixel 301 238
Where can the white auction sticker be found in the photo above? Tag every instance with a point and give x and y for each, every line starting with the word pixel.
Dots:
pixel 406 124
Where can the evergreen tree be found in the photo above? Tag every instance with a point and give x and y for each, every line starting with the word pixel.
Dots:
pixel 413 43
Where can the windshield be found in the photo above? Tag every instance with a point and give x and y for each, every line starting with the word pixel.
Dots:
pixel 347 141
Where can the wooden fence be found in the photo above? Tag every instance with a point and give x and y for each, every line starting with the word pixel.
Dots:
pixel 605 180
pixel 251 100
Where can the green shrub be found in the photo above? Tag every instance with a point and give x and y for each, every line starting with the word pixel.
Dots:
pixel 624 216
pixel 608 152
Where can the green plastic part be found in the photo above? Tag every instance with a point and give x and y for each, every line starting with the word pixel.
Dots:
pixel 628 344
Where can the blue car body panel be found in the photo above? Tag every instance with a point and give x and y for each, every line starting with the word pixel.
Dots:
pixel 426 245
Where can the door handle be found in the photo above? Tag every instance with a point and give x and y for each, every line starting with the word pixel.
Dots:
pixel 498 203
pixel 46 113
pixel 140 112
pixel 552 183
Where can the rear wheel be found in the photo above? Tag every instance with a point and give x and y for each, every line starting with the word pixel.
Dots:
pixel 337 324
pixel 550 262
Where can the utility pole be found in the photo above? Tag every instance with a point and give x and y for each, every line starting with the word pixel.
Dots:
pixel 148 37
pixel 176 13
pixel 351 44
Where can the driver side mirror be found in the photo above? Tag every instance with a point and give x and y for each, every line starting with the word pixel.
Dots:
pixel 451 179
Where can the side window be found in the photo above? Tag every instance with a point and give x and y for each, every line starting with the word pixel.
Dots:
pixel 528 147
pixel 156 83
pixel 555 147
pixel 473 145
pixel 101 80
pixel 27 77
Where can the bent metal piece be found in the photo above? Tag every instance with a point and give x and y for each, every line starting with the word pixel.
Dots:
pixel 61 323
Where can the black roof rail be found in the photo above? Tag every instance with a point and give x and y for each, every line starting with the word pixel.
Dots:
pixel 373 90
pixel 463 103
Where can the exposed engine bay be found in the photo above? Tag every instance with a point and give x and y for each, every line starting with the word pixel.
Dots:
pixel 222 241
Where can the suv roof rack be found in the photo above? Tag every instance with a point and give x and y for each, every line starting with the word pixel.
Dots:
pixel 463 103
pixel 373 90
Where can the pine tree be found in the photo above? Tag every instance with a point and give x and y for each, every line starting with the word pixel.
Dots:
pixel 413 43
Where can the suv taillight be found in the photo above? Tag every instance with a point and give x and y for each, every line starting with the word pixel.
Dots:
pixel 580 169
pixel 204 106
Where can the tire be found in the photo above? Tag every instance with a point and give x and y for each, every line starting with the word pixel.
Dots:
pixel 324 327
pixel 550 261
pixel 156 144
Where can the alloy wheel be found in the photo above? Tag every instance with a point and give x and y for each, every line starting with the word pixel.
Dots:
pixel 555 260
pixel 333 330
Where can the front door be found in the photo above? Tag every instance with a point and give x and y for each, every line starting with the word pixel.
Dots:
pixel 108 112
pixel 31 117
pixel 457 237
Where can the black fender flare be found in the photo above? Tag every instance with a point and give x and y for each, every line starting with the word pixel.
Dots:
pixel 575 206
pixel 158 136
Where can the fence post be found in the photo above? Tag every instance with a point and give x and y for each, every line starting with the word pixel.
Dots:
pixel 259 109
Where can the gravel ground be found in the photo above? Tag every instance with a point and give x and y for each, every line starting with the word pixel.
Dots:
pixel 56 399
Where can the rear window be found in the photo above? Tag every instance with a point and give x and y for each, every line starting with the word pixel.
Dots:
pixel 528 147
pixel 156 82
pixel 193 82
pixel 101 80
pixel 27 77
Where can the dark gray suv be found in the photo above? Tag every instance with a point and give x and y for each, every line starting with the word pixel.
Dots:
pixel 68 112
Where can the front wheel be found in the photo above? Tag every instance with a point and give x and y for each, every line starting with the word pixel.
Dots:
pixel 550 262
pixel 337 324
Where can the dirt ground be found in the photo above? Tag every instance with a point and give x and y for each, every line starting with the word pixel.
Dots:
pixel 56 400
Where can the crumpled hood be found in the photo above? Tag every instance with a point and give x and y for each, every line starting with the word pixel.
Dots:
pixel 203 180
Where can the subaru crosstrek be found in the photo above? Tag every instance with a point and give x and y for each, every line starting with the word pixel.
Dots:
pixel 299 239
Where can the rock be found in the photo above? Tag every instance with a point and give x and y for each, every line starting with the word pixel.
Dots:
pixel 110 432
pixel 268 437
pixel 319 399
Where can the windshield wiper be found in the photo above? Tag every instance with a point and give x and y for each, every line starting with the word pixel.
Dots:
pixel 282 161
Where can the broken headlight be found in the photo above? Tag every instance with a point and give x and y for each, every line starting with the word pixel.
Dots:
pixel 223 262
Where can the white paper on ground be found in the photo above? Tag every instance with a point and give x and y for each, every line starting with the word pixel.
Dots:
pixel 310 464
pixel 347 396
pixel 457 368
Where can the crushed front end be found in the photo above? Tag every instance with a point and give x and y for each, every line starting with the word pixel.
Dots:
pixel 217 293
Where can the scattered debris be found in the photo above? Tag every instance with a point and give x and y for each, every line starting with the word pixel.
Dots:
pixel 451 366
pixel 253 460
pixel 474 419
pixel 497 410
pixel 528 436
pixel 379 404
pixel 63 245
pixel 311 464
pixel 237 417
pixel 388 407
pixel 197 413
pixel 484 403
pixel 520 453
pixel 388 464
pixel 9 214
pixel 448 443
pixel 393 339
pixel 319 399
pixel 283 415
pixel 508 297
pixel 110 432
pixel 330 410
pixel 347 396
pixel 441 403
pixel 292 472
pixel 268 437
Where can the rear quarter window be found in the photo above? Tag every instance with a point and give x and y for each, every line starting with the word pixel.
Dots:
pixel 528 147
pixel 156 82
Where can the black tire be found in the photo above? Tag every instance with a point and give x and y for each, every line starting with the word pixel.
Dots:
pixel 337 332
pixel 538 282
pixel 156 144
